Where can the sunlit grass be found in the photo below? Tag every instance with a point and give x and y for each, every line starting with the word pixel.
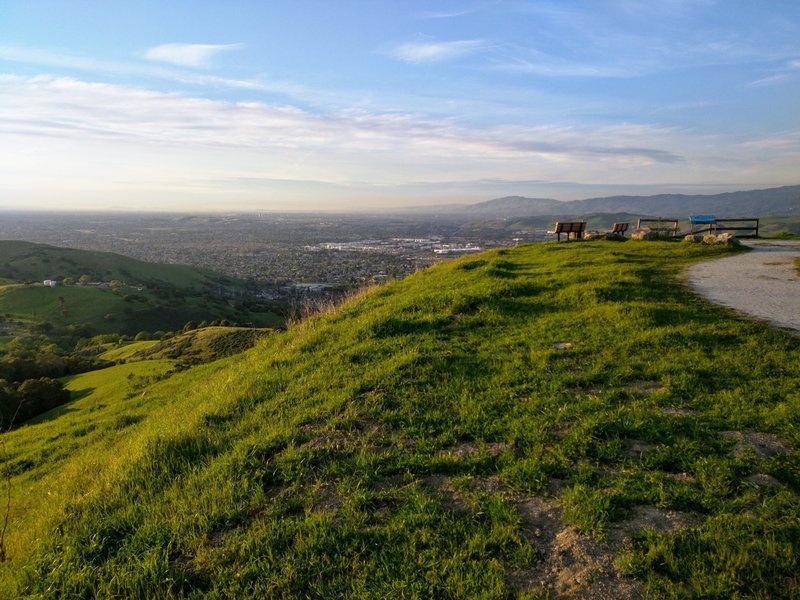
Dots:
pixel 351 455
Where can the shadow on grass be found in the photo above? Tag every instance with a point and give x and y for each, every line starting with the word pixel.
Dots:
pixel 79 394
pixel 60 411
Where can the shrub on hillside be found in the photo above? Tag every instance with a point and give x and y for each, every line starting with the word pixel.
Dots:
pixel 31 398
pixel 40 395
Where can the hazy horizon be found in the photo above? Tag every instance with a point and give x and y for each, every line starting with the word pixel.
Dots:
pixel 377 211
pixel 376 106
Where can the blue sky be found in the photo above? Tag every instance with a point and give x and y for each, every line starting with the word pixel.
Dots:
pixel 337 105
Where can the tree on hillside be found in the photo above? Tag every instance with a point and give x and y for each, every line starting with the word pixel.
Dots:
pixel 41 327
pixel 40 395
pixel 68 281
pixel 84 279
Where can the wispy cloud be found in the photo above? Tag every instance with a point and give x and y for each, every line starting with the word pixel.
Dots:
pixel 93 135
pixel 628 38
pixel 460 12
pixel 786 72
pixel 188 55
pixel 531 61
pixel 788 140
pixel 73 62
pixel 428 52
pixel 65 107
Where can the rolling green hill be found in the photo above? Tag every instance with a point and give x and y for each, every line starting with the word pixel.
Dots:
pixel 130 352
pixel 21 261
pixel 125 311
pixel 562 419
pixel 145 297
pixel 191 347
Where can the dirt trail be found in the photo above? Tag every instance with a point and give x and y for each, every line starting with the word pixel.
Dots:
pixel 763 283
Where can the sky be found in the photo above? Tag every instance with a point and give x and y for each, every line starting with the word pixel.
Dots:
pixel 279 105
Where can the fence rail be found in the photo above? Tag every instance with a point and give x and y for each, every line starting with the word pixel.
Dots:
pixel 752 227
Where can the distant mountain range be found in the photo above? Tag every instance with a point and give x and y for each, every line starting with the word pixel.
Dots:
pixel 781 201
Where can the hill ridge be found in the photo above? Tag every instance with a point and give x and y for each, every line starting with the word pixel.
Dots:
pixel 35 261
pixel 780 201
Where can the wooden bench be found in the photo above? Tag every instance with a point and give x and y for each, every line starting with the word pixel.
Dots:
pixel 571 228
pixel 619 229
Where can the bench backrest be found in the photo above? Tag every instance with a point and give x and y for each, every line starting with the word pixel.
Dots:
pixel 570 226
pixel 619 228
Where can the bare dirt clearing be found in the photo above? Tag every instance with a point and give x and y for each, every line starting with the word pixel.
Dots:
pixel 763 283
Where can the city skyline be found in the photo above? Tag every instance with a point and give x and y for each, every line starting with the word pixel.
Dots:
pixel 373 105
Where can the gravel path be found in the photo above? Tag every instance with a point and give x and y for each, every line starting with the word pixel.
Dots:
pixel 763 283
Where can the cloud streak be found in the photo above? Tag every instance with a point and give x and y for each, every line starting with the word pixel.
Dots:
pixel 59 107
pixel 188 55
pixel 431 52
pixel 72 62
pixel 451 14
pixel 788 71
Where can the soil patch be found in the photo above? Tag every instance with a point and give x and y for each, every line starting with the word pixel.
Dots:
pixel 676 411
pixel 573 565
pixel 763 445
pixel 636 448
pixel 468 449
pixel 644 387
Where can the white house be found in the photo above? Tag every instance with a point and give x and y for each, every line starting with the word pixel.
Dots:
pixel 50 282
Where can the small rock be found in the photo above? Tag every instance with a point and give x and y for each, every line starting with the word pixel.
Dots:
pixel 562 345
pixel 728 239
pixel 763 480
pixel 644 234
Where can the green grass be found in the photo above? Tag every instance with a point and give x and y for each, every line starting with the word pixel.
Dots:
pixel 191 347
pixel 387 448
pixel 124 312
pixel 128 352
pixel 81 304
pixel 172 294
pixel 54 456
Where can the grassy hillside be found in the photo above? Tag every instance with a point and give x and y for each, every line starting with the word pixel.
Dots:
pixel 21 261
pixel 101 310
pixel 191 347
pixel 150 297
pixel 127 352
pixel 770 226
pixel 74 304
pixel 545 420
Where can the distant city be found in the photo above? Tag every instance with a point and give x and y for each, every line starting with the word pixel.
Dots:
pixel 281 255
